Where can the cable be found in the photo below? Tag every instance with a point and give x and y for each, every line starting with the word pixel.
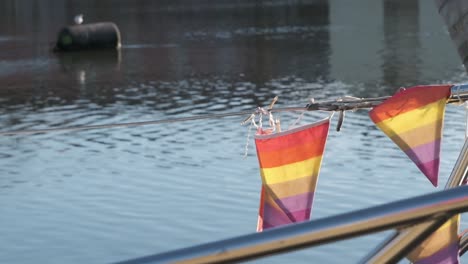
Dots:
pixel 459 93
pixel 142 123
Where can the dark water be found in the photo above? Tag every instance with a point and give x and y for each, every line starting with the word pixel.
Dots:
pixel 106 195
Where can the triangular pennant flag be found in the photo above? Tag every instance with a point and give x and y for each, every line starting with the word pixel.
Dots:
pixel 413 119
pixel 442 247
pixel 289 166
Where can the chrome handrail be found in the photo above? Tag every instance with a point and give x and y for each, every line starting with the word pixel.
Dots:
pixel 463 244
pixel 439 206
pixel 458 93
pixel 401 243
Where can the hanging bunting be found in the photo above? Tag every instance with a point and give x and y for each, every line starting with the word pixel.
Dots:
pixel 289 166
pixel 413 119
pixel 442 247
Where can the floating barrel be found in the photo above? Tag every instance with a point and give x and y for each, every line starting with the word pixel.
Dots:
pixel 104 35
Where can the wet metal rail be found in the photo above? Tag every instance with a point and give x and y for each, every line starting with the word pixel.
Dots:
pixel 437 207
pixel 405 240
pixel 463 244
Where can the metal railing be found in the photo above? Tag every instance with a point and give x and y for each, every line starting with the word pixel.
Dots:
pixel 436 207
pixel 399 245
pixel 463 244
pixel 415 219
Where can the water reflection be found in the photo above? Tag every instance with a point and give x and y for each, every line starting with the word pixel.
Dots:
pixel 107 195
pixel 236 43
pixel 402 46
pixel 93 62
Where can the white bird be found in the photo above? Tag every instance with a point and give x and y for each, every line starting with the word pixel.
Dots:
pixel 79 19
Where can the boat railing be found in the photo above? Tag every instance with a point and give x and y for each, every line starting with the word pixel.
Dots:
pixel 430 211
pixel 463 244
pixel 392 248
pixel 414 220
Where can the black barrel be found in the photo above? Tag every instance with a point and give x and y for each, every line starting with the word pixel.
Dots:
pixel 103 35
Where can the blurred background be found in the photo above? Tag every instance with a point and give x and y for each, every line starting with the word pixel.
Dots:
pixel 100 196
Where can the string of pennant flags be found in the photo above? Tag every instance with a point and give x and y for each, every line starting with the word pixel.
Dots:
pixel 290 160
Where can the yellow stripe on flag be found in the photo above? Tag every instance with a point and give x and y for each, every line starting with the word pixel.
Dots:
pixel 418 117
pixel 419 136
pixel 293 187
pixel 441 238
pixel 309 167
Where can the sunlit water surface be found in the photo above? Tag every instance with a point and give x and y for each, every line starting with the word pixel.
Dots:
pixel 100 196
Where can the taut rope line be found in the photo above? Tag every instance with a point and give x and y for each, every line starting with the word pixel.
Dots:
pixel 142 123
pixel 459 93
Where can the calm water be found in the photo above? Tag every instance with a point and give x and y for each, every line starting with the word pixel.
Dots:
pixel 106 195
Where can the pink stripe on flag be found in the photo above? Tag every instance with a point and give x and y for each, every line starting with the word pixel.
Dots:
pixel 424 153
pixel 300 216
pixel 295 203
pixel 447 255
pixel 266 225
pixel 431 170
pixel 274 217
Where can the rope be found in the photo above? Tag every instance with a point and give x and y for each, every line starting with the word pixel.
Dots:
pixel 346 104
pixel 142 123
pixel 130 124
pixel 246 150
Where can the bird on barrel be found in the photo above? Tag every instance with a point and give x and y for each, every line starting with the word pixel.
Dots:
pixel 78 19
